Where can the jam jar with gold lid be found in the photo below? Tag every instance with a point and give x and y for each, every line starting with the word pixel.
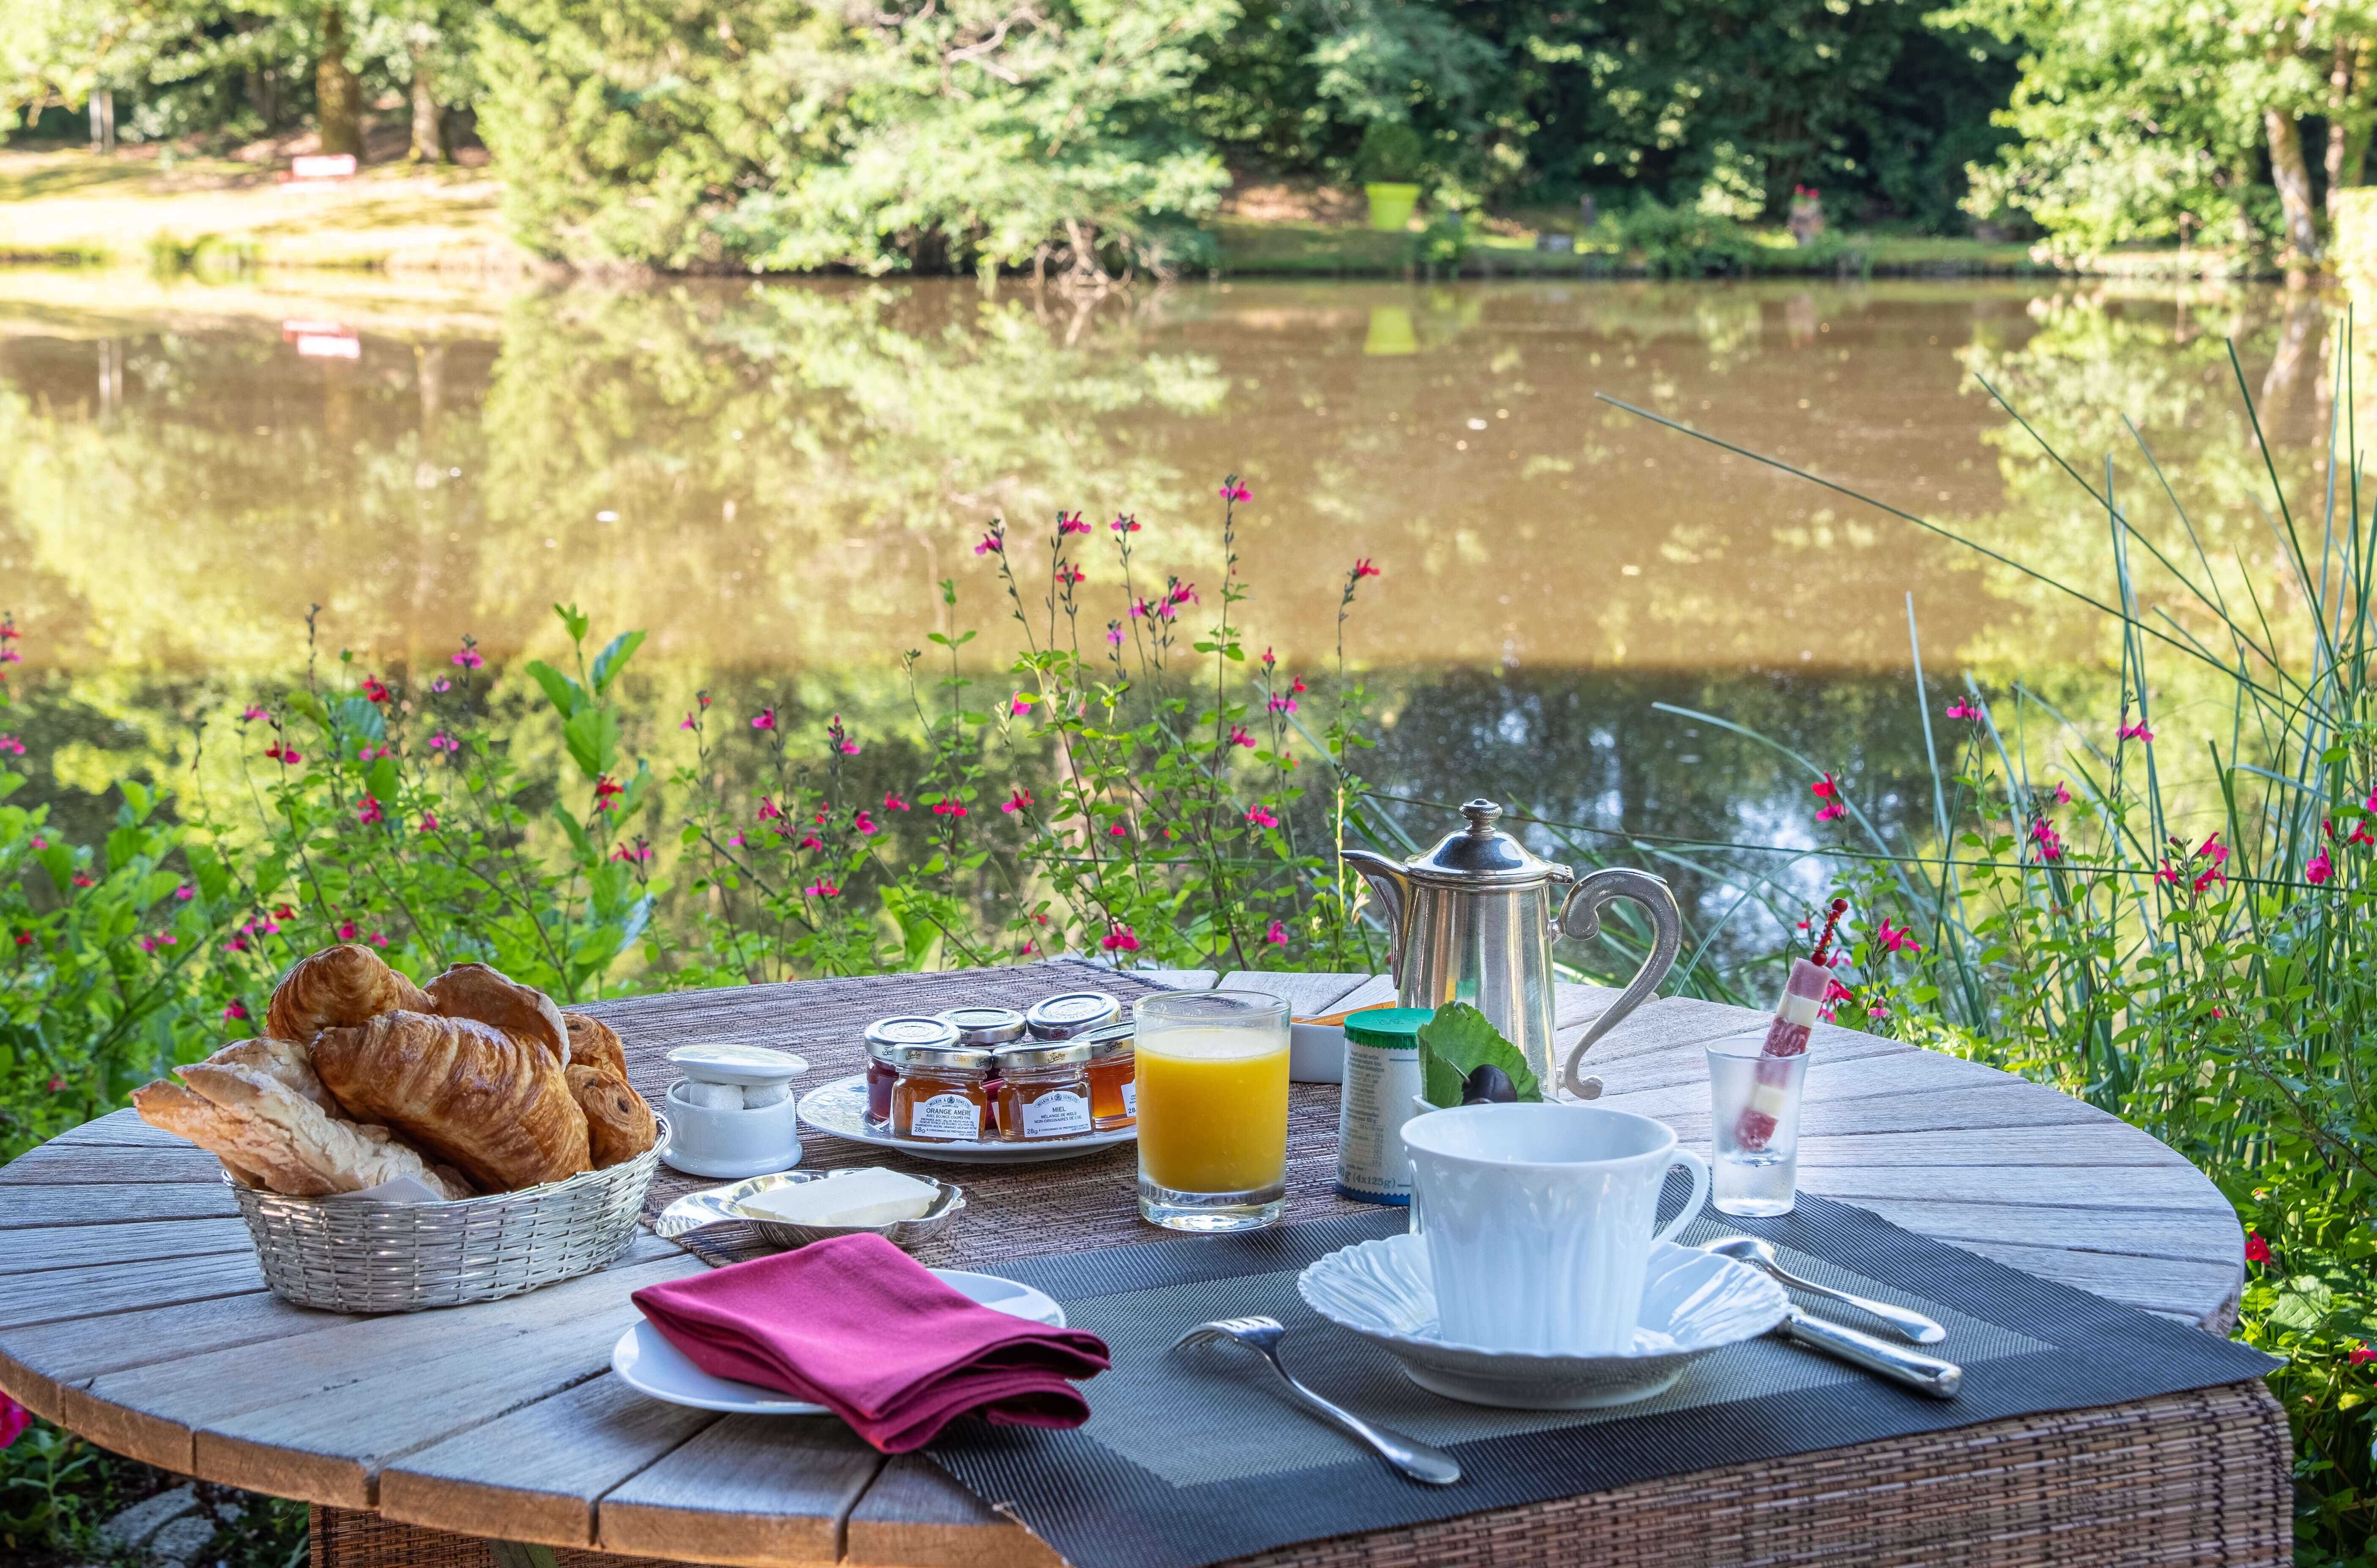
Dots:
pixel 942 1094
pixel 1063 1016
pixel 1043 1091
pixel 886 1036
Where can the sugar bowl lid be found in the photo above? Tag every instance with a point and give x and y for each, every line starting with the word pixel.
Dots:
pixel 1483 853
pixel 721 1061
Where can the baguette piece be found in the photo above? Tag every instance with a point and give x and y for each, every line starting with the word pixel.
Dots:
pixel 341 985
pixel 619 1125
pixel 492 1104
pixel 487 994
pixel 282 1059
pixel 273 1137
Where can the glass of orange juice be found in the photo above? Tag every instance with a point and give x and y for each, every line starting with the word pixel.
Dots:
pixel 1213 1109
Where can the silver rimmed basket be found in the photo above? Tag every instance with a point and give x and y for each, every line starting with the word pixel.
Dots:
pixel 346 1256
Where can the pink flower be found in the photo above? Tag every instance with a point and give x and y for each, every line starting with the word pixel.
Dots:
pixel 1901 940
pixel 234 1012
pixel 469 657
pixel 1262 818
pixel 735 843
pixel 864 823
pixel 1019 801
pixel 1125 524
pixel 810 841
pixel 1277 935
pixel 1122 939
pixel 373 753
pixel 14 1417
pixel 371 813
pixel 637 856
pixel 1825 790
pixel 185 892
pixel 10 746
pixel 441 684
pixel 687 723
pixel 2167 875
pixel 378 939
pixel 2319 869
pixel 377 691
pixel 25 938
pixel 429 822
pixel 891 802
pixel 287 756
pixel 81 881
pixel 764 720
pixel 2358 1356
pixel 2256 1250
pixel 948 808
pixel 1363 569
pixel 250 713
pixel 1233 491
pixel 346 930
pixel 1072 524
pixel 2062 794
pixel 1069 574
pixel 605 786
pixel 1019 704
pixel 2137 732
pixel 1117 831
pixel 1180 593
pixel 770 811
pixel 441 741
pixel 1960 709
pixel 1281 703
pixel 822 890
pixel 1114 634
pixel 2042 834
pixel 992 544
pixel 1238 737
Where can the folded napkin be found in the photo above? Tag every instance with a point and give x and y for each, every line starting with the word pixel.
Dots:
pixel 858 1327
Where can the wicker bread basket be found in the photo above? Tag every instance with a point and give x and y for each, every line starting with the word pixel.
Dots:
pixel 368 1257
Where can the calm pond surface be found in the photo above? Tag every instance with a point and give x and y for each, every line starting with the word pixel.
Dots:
pixel 773 477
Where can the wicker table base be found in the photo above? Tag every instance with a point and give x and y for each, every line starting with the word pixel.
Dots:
pixel 2198 1478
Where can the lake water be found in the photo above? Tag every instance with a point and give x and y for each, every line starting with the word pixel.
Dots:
pixel 773 477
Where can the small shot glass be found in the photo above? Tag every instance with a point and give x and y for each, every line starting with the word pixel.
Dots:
pixel 1755 1109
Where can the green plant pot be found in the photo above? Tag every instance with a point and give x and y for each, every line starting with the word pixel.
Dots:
pixel 1391 206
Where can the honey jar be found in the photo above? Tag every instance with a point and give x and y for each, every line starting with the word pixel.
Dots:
pixel 1043 1091
pixel 885 1037
pixel 1063 1016
pixel 941 1094
pixel 1114 1077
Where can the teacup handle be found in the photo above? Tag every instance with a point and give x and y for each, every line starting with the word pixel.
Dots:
pixel 1695 1203
pixel 1581 917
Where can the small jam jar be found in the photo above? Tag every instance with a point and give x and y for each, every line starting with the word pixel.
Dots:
pixel 984 1026
pixel 1070 1014
pixel 1043 1091
pixel 942 1094
pixel 886 1036
pixel 1113 1076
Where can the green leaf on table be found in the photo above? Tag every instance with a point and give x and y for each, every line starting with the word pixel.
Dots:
pixel 565 695
pixel 1457 1042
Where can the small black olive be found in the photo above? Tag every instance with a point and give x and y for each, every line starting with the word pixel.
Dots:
pixel 1489 1085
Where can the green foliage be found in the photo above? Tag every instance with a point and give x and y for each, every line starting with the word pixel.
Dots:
pixel 1457 1042
pixel 1391 154
pixel 1678 242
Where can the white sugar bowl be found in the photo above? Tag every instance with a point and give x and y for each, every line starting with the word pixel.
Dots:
pixel 733 1113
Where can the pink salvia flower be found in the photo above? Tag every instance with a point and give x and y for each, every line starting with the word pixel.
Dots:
pixel 185 892
pixel 441 741
pixel 822 890
pixel 1122 939
pixel 14 1417
pixel 1018 801
pixel 1277 935
pixel 2042 834
pixel 1125 524
pixel 1960 709
pixel 10 746
pixel 991 545
pixel 810 841
pixel 1072 524
pixel 234 1012
pixel 764 720
pixel 1233 491
pixel 250 713
pixel 864 823
pixel 2062 794
pixel 1238 737
pixel 470 658
pixel 2320 869
pixel 371 812
pixel 429 822
pixel 1363 569
pixel 1114 634
pixel 441 684
pixel 346 930
pixel 1901 940
pixel 1260 818
pixel 2137 732
pixel 1019 704
pixel 891 802
pixel 687 723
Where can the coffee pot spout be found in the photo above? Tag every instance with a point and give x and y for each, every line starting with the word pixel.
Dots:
pixel 1392 883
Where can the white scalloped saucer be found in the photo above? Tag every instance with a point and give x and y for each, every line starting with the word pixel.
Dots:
pixel 1694 1303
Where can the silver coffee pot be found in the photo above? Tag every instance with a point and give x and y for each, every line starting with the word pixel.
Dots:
pixel 1472 921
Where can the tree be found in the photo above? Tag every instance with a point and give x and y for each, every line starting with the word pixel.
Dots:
pixel 337 96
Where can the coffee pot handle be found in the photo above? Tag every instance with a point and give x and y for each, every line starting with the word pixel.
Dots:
pixel 1581 917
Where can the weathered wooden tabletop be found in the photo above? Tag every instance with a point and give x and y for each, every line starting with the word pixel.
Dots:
pixel 133 1311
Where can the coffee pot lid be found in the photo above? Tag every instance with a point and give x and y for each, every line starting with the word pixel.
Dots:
pixel 1481 853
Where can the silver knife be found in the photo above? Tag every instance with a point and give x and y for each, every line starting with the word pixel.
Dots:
pixel 1925 1374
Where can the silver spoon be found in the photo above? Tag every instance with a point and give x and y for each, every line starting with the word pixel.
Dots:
pixel 1412 1457
pixel 1913 1326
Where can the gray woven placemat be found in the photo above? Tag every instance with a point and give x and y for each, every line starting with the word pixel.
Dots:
pixel 1194 1457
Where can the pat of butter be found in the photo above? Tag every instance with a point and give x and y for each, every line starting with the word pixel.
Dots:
pixel 875 1196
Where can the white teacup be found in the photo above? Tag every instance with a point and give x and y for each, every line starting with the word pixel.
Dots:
pixel 1540 1221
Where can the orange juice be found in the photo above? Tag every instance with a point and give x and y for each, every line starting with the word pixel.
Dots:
pixel 1213 1108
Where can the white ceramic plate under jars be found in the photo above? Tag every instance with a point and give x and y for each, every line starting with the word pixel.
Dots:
pixel 1694 1303
pixel 840 1107
pixel 647 1363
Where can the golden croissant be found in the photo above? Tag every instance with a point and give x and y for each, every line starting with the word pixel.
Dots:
pixel 592 1043
pixel 619 1125
pixel 488 995
pixel 492 1104
pixel 337 986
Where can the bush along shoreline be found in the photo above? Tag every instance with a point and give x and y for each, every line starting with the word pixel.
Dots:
pixel 1145 783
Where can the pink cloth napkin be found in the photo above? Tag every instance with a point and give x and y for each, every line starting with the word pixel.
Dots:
pixel 858 1327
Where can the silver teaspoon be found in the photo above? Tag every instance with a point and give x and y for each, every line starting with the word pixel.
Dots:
pixel 1412 1457
pixel 1913 1326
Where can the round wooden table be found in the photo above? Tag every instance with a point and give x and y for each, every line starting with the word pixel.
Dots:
pixel 132 1311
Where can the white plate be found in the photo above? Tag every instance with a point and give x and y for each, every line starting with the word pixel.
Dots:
pixel 840 1107
pixel 1694 1303
pixel 647 1363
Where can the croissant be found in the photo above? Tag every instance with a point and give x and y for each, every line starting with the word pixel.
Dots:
pixel 619 1125
pixel 490 1103
pixel 274 1137
pixel 481 992
pixel 592 1043
pixel 337 986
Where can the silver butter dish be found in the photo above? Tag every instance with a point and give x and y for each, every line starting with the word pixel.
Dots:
pixel 718 1205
